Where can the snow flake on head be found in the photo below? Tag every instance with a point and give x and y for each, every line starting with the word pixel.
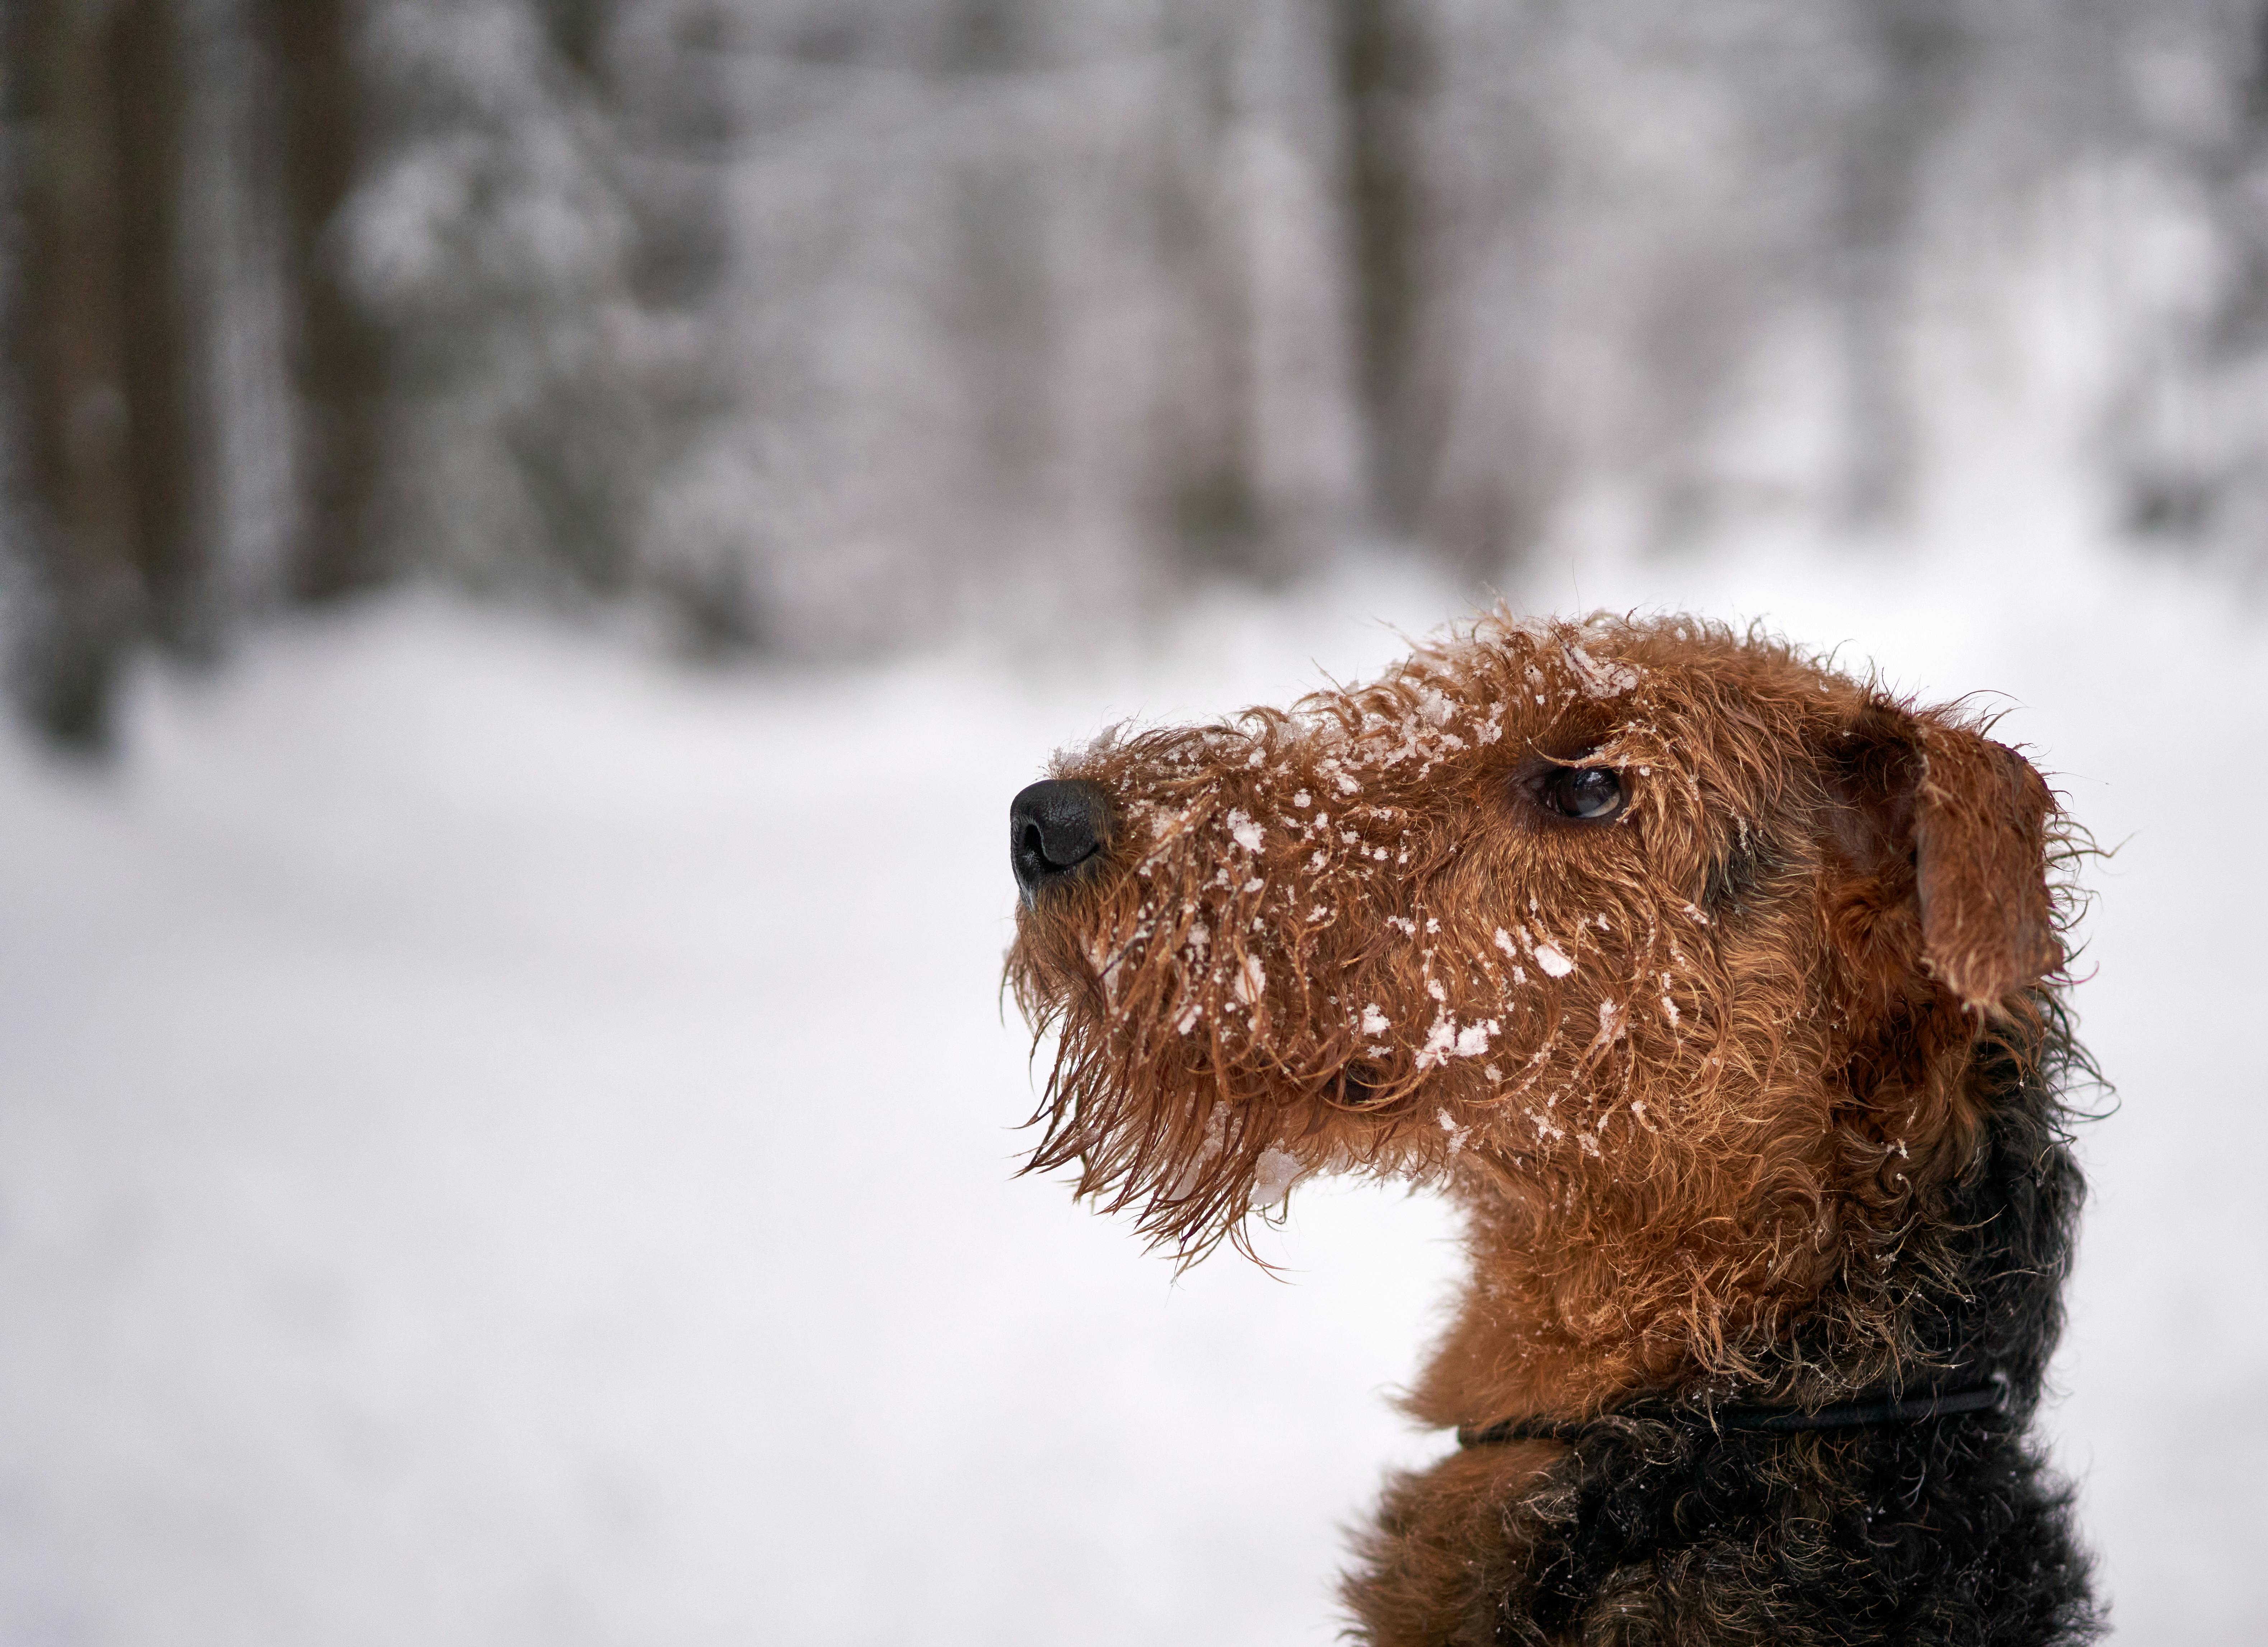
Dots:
pixel 1251 980
pixel 1594 679
pixel 1447 1040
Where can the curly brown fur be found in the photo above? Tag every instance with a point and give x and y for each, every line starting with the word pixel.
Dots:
pixel 1748 1091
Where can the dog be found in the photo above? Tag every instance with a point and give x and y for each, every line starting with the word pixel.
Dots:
pixel 1723 992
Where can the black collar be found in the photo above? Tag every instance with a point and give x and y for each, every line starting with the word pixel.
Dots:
pixel 1992 1396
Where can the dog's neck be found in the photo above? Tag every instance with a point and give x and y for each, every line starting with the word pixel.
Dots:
pixel 1538 1332
pixel 1962 1280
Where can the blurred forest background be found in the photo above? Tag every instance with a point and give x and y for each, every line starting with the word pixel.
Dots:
pixel 815 327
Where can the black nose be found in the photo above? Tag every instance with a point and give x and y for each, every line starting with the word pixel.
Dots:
pixel 1054 827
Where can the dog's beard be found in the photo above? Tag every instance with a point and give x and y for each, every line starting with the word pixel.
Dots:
pixel 1188 1118
pixel 1193 1085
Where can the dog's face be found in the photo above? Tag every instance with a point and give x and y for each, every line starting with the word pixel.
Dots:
pixel 1615 909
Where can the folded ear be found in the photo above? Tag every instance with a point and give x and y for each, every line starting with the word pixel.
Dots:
pixel 1980 838
pixel 1968 819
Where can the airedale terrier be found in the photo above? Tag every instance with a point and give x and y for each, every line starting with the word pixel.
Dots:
pixel 1721 991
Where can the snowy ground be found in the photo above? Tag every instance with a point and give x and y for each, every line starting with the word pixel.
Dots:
pixel 502 1141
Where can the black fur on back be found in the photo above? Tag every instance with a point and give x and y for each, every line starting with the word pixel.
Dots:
pixel 1952 1529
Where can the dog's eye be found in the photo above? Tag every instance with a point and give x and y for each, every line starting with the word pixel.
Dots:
pixel 1588 792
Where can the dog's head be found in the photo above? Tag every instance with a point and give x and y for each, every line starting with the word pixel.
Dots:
pixel 1645 922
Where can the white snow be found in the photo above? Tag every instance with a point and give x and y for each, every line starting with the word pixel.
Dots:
pixel 503 1142
pixel 1251 980
pixel 1273 1175
pixel 1552 961
pixel 1599 680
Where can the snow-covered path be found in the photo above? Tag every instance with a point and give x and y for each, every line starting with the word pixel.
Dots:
pixel 502 1141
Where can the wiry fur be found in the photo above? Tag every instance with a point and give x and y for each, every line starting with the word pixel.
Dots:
pixel 1750 1093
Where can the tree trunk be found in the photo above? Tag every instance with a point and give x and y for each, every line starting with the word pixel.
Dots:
pixel 111 455
pixel 76 504
pixel 337 354
pixel 1922 47
pixel 171 446
pixel 1385 76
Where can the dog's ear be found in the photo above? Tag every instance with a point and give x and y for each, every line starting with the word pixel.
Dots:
pixel 1935 813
